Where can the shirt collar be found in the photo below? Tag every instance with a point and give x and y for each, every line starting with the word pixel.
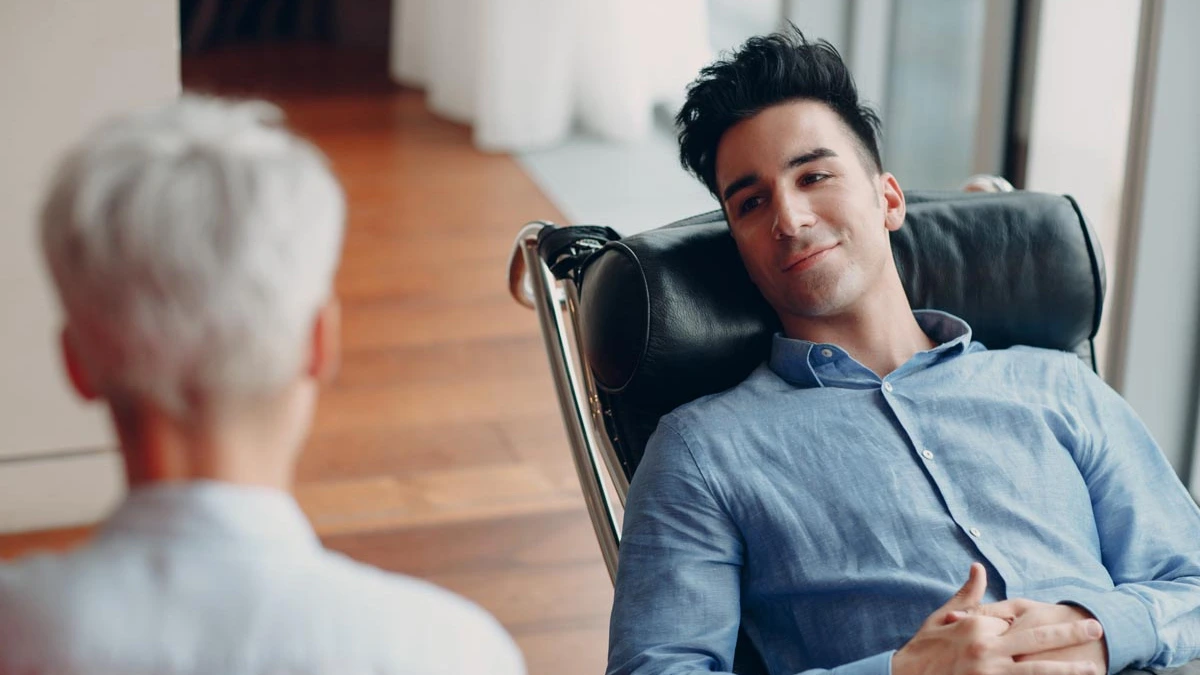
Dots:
pixel 809 364
pixel 207 510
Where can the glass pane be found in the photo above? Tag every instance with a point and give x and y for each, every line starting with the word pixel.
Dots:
pixel 933 100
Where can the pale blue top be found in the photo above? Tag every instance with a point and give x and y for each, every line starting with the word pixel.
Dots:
pixel 835 510
pixel 209 578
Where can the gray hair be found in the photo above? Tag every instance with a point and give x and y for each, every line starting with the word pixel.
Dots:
pixel 192 247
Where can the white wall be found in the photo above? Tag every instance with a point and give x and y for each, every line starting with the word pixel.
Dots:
pixel 64 66
pixel 1161 362
pixel 1082 98
pixel 825 19
pixel 732 22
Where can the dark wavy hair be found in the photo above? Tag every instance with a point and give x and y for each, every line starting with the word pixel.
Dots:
pixel 766 71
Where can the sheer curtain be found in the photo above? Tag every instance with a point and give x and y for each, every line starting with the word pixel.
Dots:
pixel 524 72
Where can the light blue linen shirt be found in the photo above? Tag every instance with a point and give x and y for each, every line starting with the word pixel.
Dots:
pixel 831 511
pixel 210 578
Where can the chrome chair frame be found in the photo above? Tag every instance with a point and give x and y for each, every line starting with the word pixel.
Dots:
pixel 556 302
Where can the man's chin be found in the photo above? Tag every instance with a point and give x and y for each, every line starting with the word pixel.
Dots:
pixel 812 305
pixel 813 310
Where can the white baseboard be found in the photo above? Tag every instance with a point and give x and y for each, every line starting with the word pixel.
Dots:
pixel 59 491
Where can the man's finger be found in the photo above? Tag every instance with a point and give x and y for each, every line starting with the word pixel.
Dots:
pixel 1050 637
pixel 1052 668
pixel 1008 610
pixel 955 616
pixel 1005 609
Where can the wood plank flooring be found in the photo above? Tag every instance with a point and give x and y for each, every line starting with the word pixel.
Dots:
pixel 438 452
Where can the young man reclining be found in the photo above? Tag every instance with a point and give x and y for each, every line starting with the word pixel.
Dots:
pixel 833 502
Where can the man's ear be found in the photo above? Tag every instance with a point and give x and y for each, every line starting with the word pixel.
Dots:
pixel 325 352
pixel 893 202
pixel 77 373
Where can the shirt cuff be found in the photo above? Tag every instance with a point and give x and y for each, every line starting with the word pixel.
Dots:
pixel 1129 630
pixel 879 664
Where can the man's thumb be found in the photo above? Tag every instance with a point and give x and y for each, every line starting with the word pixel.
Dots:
pixel 971 593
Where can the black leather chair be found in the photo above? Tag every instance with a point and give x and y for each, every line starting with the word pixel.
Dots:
pixel 635 327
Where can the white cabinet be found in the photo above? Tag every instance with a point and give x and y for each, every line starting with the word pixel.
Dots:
pixel 65 65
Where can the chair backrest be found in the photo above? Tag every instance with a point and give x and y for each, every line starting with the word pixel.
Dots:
pixel 670 315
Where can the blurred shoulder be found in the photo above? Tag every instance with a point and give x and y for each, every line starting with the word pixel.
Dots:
pixel 431 628
pixel 35 609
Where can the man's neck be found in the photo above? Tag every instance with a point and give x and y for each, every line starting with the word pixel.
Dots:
pixel 159 448
pixel 882 334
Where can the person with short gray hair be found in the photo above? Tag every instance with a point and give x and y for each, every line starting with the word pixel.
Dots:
pixel 193 248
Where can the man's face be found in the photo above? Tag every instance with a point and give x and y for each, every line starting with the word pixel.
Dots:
pixel 811 221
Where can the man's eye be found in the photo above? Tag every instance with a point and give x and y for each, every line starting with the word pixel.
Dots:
pixel 749 205
pixel 810 178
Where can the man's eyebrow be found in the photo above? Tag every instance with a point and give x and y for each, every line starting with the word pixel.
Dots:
pixel 811 156
pixel 752 178
pixel 739 184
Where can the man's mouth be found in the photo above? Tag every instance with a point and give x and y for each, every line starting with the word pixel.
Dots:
pixel 807 258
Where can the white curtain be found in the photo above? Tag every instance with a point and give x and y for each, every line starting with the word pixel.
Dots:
pixel 523 72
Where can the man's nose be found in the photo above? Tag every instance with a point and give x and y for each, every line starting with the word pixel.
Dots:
pixel 792 215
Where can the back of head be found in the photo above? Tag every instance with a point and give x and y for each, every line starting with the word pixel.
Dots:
pixel 766 71
pixel 192 247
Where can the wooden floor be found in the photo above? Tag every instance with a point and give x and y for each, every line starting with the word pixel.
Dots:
pixel 438 452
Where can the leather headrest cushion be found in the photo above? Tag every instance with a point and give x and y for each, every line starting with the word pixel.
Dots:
pixel 674 308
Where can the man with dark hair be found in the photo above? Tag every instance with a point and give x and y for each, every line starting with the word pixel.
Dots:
pixel 832 502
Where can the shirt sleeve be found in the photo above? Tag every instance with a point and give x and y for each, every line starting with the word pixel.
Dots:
pixel 1149 532
pixel 677 606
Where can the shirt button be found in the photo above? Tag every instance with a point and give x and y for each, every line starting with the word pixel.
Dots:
pixel 974 531
pixel 927 454
pixel 887 386
pixel 827 353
